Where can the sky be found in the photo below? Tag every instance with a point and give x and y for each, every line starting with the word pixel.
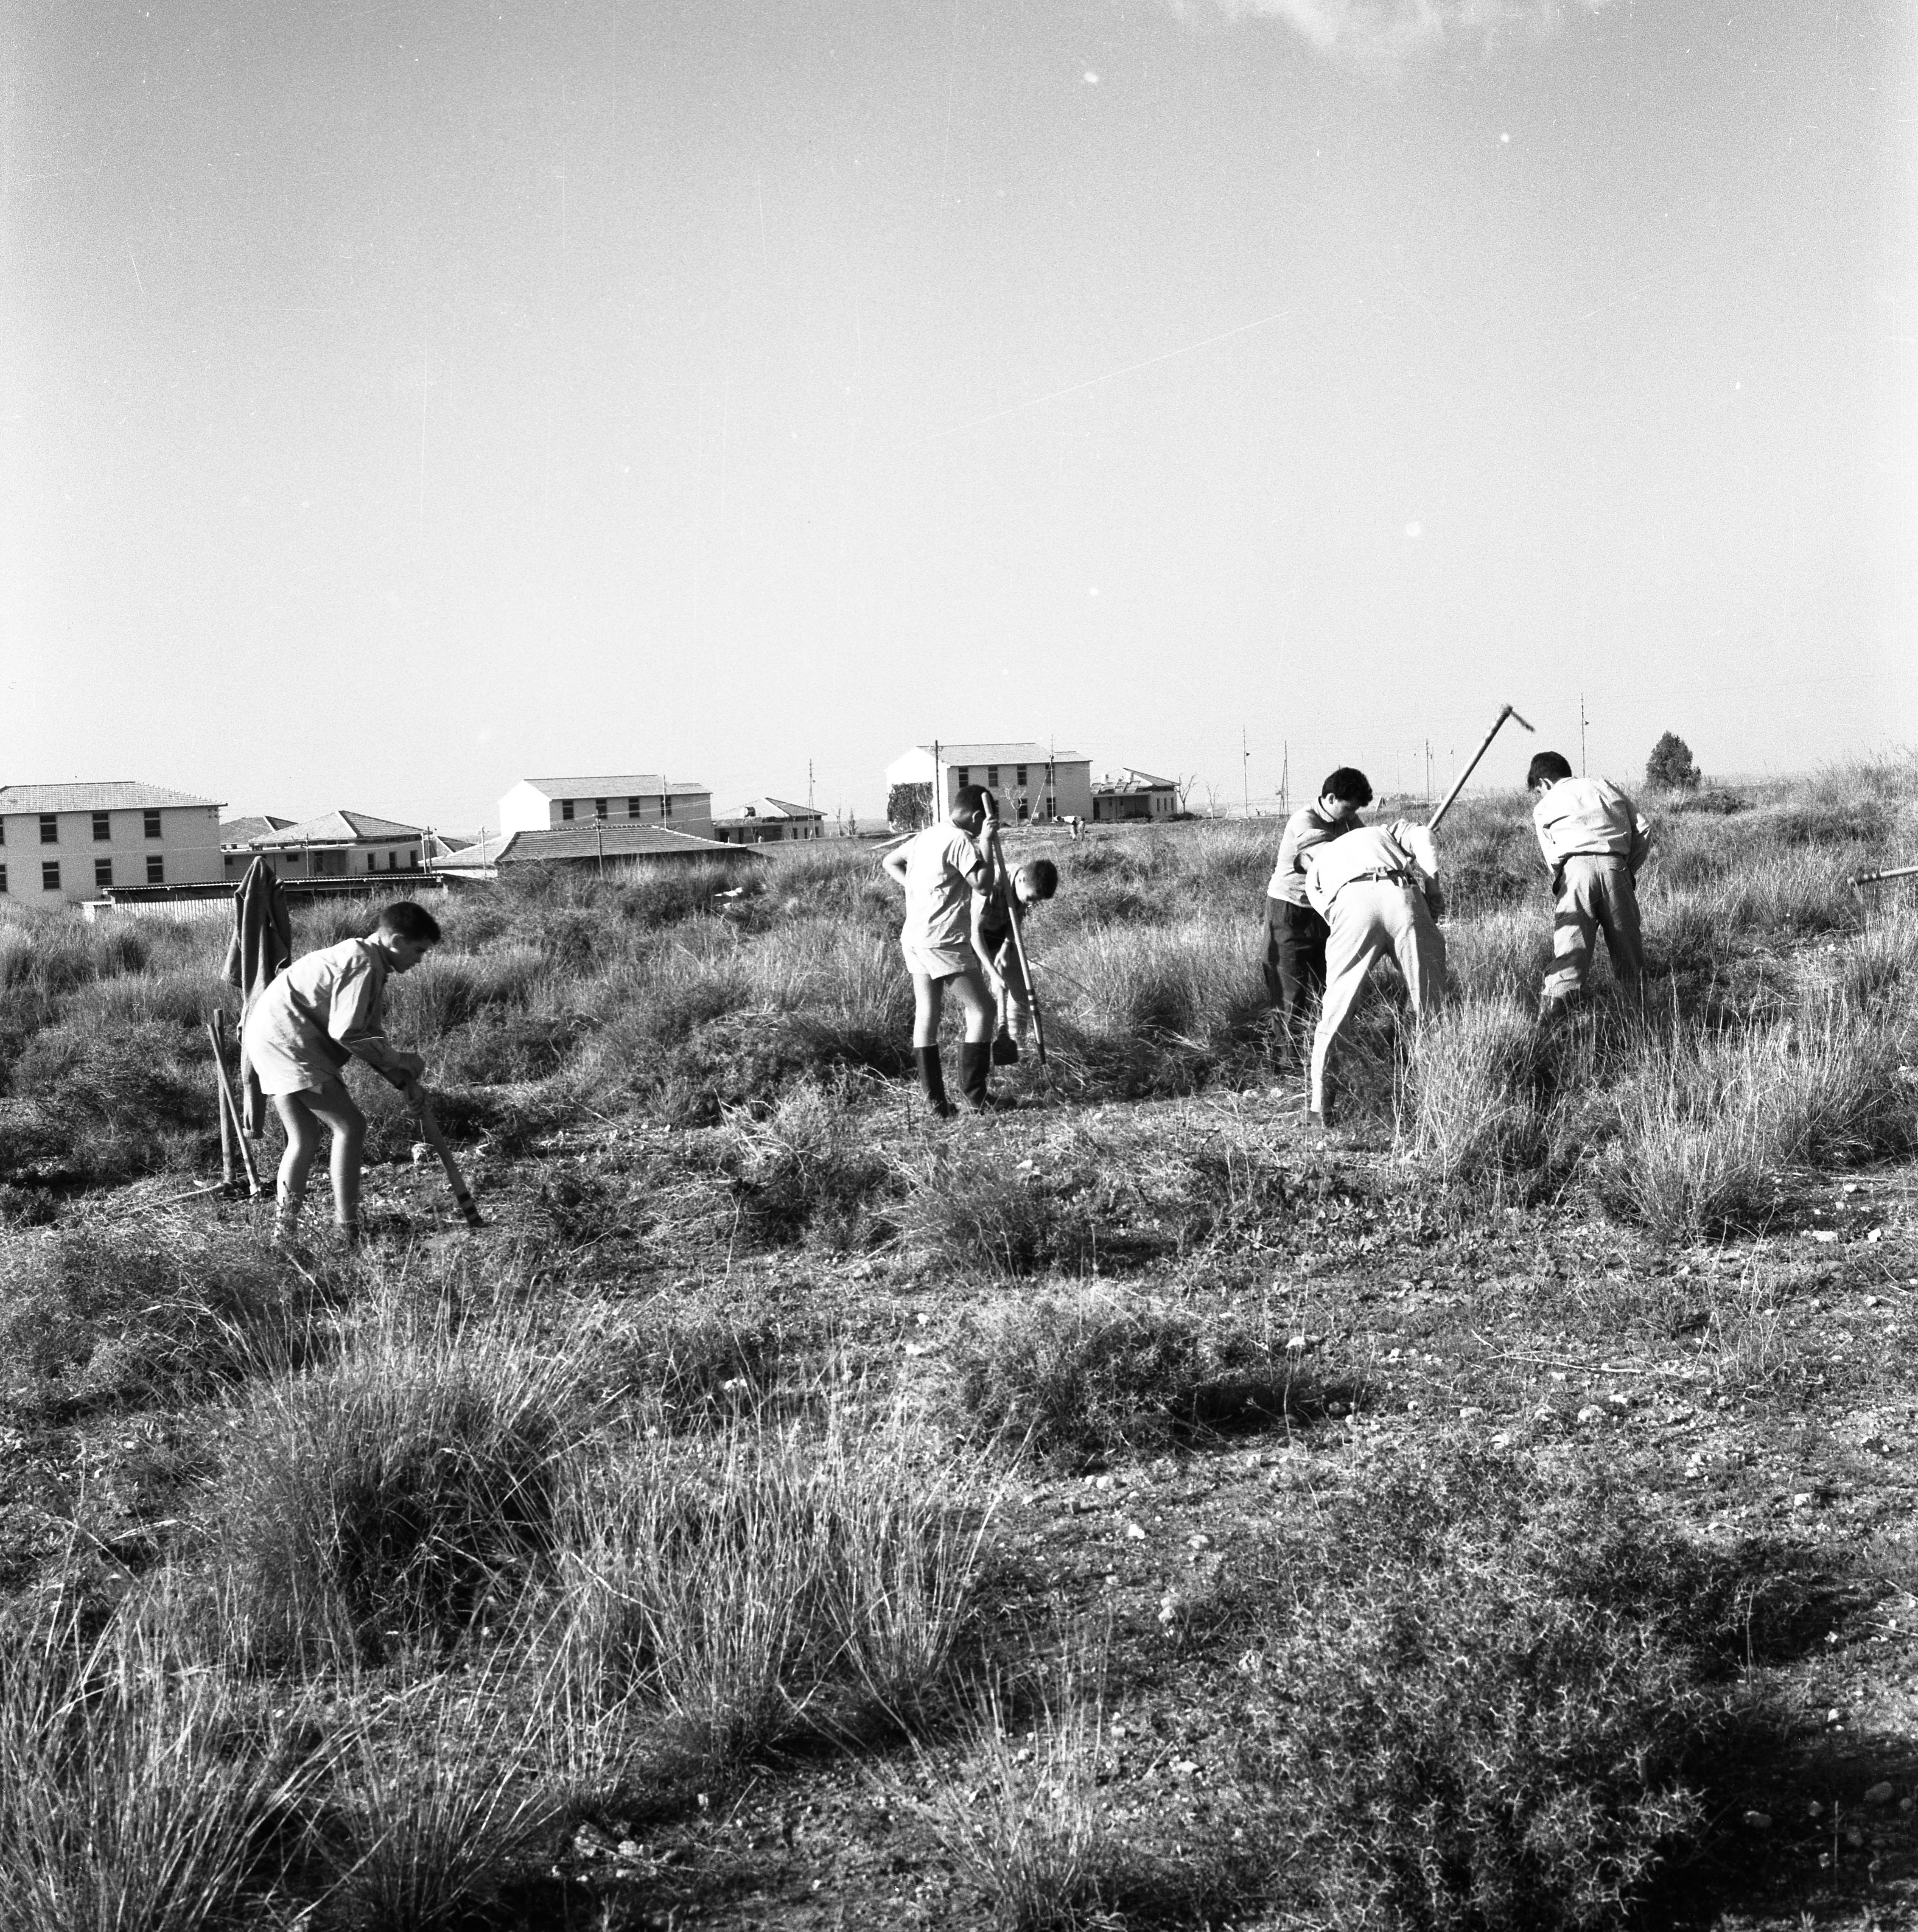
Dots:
pixel 401 398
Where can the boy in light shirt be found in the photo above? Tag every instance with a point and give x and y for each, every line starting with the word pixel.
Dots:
pixel 941 868
pixel 322 1011
pixel 1594 840
pixel 1294 961
pixel 1378 890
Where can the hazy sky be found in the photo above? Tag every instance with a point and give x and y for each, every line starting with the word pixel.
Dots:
pixel 399 399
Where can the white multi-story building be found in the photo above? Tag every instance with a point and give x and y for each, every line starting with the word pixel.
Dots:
pixel 1029 781
pixel 545 805
pixel 336 845
pixel 60 843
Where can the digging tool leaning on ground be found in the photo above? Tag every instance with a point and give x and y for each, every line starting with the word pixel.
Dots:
pixel 322 1011
pixel 940 868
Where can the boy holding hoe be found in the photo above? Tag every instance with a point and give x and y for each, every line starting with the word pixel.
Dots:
pixel 322 1011
pixel 941 869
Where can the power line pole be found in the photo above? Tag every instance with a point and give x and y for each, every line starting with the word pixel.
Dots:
pixel 1285 778
pixel 1581 734
pixel 1245 770
pixel 808 784
pixel 1428 771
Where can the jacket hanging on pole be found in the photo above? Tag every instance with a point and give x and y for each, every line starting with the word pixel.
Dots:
pixel 259 951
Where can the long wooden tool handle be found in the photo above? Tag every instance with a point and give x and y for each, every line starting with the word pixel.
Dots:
pixel 435 1138
pixel 1458 783
pixel 1019 945
pixel 232 1109
pixel 1896 872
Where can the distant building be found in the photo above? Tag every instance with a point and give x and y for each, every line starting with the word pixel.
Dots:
pixel 236 838
pixel 543 805
pixel 1131 794
pixel 336 845
pixel 1029 781
pixel 593 842
pixel 60 843
pixel 770 821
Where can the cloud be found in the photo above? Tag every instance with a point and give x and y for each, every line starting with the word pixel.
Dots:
pixel 1383 34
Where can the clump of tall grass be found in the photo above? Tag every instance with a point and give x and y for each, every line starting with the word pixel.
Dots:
pixel 403 1493
pixel 439 1801
pixel 1458 1739
pixel 1071 1379
pixel 765 1580
pixel 1024 1819
pixel 119 1099
pixel 140 1787
pixel 1477 1095
pixel 1710 1122
pixel 807 1171
pixel 94 1314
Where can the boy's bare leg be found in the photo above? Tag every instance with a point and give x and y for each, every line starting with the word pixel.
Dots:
pixel 976 1054
pixel 929 997
pixel 335 1110
pixel 295 1163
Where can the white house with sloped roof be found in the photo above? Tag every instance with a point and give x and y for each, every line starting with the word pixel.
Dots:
pixel 1030 781
pixel 336 845
pixel 645 798
pixel 60 843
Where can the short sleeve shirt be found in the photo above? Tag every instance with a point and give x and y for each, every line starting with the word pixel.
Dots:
pixel 942 867
pixel 1304 829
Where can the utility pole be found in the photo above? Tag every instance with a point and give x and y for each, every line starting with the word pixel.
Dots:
pixel 1245 770
pixel 1285 778
pixel 1428 771
pixel 808 784
pixel 1581 734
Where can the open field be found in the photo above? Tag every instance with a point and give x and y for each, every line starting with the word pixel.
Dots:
pixel 793 1511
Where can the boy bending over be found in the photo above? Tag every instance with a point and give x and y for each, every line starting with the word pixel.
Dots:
pixel 1035 881
pixel 322 1011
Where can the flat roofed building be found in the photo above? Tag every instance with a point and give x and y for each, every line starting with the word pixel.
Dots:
pixel 1130 794
pixel 62 844
pixel 1030 781
pixel 770 821
pixel 545 805
pixel 336 845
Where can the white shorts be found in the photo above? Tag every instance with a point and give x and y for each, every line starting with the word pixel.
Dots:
pixel 939 962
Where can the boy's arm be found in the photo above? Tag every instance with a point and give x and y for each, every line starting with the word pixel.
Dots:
pixel 1641 839
pixel 893 865
pixel 358 1022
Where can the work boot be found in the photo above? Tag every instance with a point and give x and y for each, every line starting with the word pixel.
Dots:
pixel 1005 1049
pixel 933 1077
pixel 349 1235
pixel 975 1068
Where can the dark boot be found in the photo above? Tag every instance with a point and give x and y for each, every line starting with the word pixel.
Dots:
pixel 933 1077
pixel 975 1068
pixel 1005 1050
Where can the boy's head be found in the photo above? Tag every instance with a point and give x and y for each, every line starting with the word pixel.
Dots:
pixel 1547 769
pixel 1345 792
pixel 1037 879
pixel 409 932
pixel 969 804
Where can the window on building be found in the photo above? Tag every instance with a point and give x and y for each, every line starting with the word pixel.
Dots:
pixel 1021 774
pixel 565 807
pixel 3 831
pixel 156 869
pixel 599 808
pixel 992 774
pixel 373 862
pixel 102 825
pixel 50 828
pixel 3 878
pixel 665 804
pixel 150 824
pixel 963 774
pixel 50 875
pixel 103 871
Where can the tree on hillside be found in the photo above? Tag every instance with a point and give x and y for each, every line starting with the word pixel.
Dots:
pixel 909 808
pixel 1671 766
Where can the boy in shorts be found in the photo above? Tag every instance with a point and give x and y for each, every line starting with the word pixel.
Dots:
pixel 1035 882
pixel 941 868
pixel 322 1011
